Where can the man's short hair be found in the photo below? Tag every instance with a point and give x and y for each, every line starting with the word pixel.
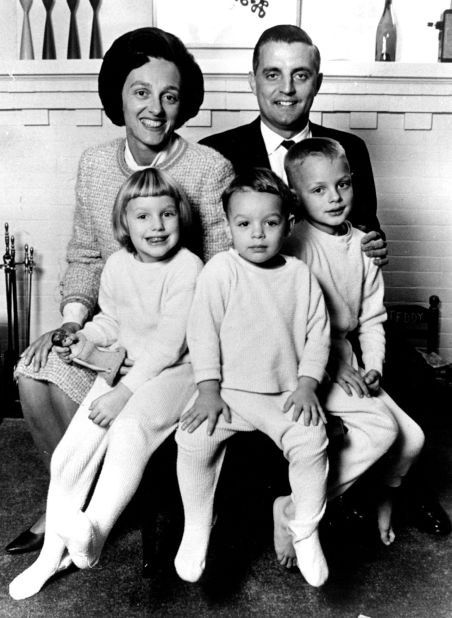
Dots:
pixel 284 33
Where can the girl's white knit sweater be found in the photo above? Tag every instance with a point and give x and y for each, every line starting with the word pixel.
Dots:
pixel 144 308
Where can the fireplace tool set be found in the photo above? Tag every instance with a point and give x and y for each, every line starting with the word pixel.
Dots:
pixel 9 267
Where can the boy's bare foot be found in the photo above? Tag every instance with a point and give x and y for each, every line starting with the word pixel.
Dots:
pixel 311 560
pixel 282 539
pixel 387 535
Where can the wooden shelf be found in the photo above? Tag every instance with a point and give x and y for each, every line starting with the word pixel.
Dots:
pixel 231 62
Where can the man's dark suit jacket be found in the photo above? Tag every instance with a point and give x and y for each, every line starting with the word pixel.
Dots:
pixel 245 148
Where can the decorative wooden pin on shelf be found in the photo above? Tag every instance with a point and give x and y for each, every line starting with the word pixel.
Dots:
pixel 73 44
pixel 26 41
pixel 48 47
pixel 95 48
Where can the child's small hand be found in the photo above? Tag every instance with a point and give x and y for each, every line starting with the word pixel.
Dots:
pixel 372 379
pixel 208 405
pixel 305 401
pixel 349 379
pixel 106 408
pixel 126 366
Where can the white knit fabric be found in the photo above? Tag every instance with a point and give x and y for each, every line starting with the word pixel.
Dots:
pixel 257 329
pixel 353 288
pixel 144 308
pixel 200 457
pixel 137 299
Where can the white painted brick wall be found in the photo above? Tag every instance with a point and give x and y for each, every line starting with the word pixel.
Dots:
pixel 410 148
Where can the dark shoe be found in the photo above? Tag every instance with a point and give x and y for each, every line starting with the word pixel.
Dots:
pixel 342 512
pixel 429 516
pixel 25 542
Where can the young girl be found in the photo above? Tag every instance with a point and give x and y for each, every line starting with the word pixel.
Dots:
pixel 353 288
pixel 145 294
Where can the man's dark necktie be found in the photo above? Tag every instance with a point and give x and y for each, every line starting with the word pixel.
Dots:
pixel 287 143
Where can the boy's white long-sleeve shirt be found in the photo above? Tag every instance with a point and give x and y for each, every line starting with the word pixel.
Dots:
pixel 257 329
pixel 144 308
pixel 353 288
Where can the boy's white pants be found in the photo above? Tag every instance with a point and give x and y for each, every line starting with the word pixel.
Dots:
pixel 376 426
pixel 200 457
pixel 372 430
pixel 148 418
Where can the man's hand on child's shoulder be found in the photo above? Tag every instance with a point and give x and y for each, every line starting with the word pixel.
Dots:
pixel 305 401
pixel 372 379
pixel 374 246
pixel 208 405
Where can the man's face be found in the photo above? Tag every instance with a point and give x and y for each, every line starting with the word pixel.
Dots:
pixel 285 84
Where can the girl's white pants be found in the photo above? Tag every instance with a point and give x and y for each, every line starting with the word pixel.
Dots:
pixel 123 450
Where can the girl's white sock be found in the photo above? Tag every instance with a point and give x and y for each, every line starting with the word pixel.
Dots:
pixel 30 581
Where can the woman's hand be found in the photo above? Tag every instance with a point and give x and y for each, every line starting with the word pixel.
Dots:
pixel 208 405
pixel 106 408
pixel 64 343
pixel 373 245
pixel 38 351
pixel 305 401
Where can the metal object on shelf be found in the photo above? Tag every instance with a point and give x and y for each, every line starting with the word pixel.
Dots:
pixel 444 26
pixel 9 266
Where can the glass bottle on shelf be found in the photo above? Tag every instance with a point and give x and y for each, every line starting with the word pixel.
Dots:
pixel 386 39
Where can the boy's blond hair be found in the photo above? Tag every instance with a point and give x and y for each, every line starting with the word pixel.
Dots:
pixel 312 147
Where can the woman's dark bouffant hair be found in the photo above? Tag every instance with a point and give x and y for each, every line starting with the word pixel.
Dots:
pixel 131 51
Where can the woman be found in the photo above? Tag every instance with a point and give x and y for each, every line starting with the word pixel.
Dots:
pixel 150 83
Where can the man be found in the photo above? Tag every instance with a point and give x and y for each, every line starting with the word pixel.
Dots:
pixel 286 78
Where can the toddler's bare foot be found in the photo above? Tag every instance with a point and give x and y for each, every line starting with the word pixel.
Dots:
pixel 82 541
pixel 282 539
pixel 387 535
pixel 311 560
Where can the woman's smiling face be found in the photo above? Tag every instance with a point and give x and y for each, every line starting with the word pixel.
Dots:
pixel 151 105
